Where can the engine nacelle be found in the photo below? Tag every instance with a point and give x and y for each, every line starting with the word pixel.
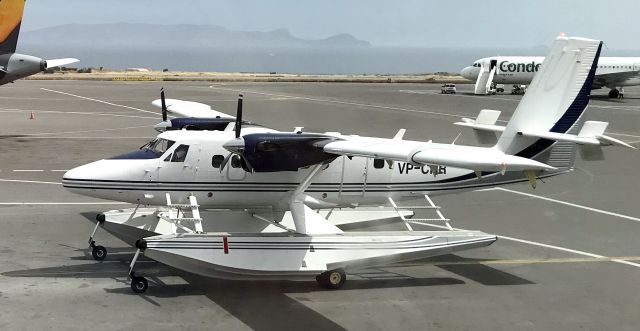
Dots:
pixel 269 152
pixel 15 66
pixel 194 123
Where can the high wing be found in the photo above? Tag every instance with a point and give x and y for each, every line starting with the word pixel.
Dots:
pixel 181 108
pixel 613 79
pixel 433 154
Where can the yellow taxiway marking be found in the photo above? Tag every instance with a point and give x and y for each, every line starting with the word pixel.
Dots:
pixel 529 261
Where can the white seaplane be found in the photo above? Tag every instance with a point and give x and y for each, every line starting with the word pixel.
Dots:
pixel 242 200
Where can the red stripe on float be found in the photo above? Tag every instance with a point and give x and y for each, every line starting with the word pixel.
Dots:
pixel 225 242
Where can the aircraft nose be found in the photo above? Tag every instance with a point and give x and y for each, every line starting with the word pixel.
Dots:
pixel 466 73
pixel 82 172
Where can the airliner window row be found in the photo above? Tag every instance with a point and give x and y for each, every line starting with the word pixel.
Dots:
pixel 607 67
pixel 615 67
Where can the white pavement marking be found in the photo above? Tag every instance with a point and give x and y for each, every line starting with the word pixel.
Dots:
pixel 73 137
pixel 631 218
pixel 61 203
pixel 13 110
pixel 100 101
pixel 87 131
pixel 341 102
pixel 624 134
pixel 59 170
pixel 539 244
pixel 29 181
pixel 459 95
pixel 28 170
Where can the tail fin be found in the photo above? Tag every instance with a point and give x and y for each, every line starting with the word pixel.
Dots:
pixel 10 21
pixel 554 103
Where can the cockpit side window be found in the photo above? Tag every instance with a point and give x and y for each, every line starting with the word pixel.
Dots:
pixel 180 154
pixel 158 146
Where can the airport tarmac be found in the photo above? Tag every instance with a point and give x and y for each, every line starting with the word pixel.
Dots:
pixel 568 256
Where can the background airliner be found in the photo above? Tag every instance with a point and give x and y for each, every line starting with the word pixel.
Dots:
pixel 612 72
pixel 13 65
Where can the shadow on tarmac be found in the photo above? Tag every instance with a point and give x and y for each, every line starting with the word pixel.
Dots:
pixel 261 305
pixel 248 300
pixel 245 300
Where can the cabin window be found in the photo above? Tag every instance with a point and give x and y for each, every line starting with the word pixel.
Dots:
pixel 216 161
pixel 180 154
pixel 378 163
pixel 236 162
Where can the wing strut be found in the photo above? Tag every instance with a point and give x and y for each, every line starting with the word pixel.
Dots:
pixel 306 220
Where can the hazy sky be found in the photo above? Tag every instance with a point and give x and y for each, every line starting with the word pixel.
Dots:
pixel 507 24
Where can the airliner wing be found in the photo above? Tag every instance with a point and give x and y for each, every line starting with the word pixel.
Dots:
pixel 60 62
pixel 181 108
pixel 614 78
pixel 432 154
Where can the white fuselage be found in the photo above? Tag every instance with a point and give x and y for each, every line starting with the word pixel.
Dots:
pixel 345 181
pixel 611 72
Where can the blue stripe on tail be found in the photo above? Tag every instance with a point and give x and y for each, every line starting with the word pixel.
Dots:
pixel 570 117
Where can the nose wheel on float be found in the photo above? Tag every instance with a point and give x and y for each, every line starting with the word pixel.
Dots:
pixel 332 279
pixel 98 252
pixel 139 284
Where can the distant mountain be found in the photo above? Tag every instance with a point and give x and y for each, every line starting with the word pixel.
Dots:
pixel 156 36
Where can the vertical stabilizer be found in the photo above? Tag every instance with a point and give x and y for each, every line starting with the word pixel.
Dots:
pixel 10 21
pixel 555 102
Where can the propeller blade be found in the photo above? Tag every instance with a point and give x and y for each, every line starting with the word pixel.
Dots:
pixel 164 105
pixel 225 161
pixel 239 116
pixel 246 165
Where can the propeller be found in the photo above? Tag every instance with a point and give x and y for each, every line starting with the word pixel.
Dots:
pixel 165 124
pixel 238 143
pixel 239 116
pixel 164 105
pixel 269 152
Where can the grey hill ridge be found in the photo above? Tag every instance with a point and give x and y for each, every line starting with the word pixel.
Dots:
pixel 183 35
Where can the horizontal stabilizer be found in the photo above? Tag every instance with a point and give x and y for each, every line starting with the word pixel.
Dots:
pixel 484 126
pixel 593 128
pixel 481 127
pixel 485 121
pixel 488 116
pixel 60 62
pixel 590 134
pixel 181 108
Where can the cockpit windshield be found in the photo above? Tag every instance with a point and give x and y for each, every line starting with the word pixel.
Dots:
pixel 158 146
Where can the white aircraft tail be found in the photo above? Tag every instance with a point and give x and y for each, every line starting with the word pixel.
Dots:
pixel 551 112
